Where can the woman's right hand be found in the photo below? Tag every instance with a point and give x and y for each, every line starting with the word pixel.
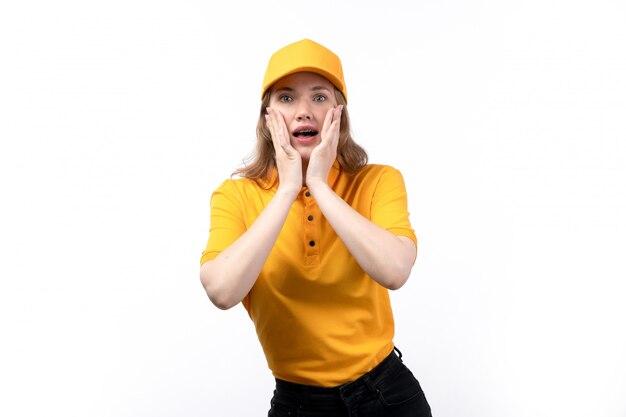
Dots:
pixel 230 275
pixel 288 160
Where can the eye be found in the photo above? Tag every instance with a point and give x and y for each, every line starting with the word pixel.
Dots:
pixel 320 98
pixel 285 99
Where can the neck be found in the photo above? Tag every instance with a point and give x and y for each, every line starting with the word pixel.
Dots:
pixel 305 164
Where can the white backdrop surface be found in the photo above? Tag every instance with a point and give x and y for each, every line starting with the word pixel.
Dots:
pixel 119 118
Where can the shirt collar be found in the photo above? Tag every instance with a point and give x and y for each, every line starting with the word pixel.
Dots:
pixel 271 182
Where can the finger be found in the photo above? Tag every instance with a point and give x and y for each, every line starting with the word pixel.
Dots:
pixel 330 129
pixel 335 127
pixel 337 112
pixel 334 133
pixel 271 122
pixel 281 132
pixel 281 128
pixel 330 114
pixel 275 126
pixel 336 124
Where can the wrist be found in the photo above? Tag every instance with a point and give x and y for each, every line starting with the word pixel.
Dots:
pixel 288 191
pixel 316 185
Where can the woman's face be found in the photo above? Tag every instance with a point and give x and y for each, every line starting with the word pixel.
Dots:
pixel 303 99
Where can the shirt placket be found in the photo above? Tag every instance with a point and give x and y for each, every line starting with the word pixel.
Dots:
pixel 312 233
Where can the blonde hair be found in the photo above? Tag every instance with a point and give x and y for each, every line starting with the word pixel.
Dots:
pixel 351 156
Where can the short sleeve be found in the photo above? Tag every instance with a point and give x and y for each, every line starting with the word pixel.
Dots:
pixel 227 220
pixel 389 204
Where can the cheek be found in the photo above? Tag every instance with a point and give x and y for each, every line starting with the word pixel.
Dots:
pixel 285 110
pixel 322 112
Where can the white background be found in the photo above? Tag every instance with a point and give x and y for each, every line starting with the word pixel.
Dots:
pixel 119 118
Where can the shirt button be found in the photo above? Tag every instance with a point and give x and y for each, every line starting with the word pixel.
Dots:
pixel 308 194
pixel 309 218
pixel 312 243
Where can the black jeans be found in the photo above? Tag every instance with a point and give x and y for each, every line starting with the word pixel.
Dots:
pixel 388 390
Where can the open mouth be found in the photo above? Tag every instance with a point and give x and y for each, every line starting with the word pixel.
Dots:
pixel 304 133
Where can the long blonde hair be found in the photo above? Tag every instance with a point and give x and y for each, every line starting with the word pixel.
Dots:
pixel 351 156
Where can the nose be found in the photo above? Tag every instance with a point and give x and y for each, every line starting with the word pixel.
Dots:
pixel 303 112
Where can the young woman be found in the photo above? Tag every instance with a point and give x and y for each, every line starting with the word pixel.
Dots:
pixel 310 239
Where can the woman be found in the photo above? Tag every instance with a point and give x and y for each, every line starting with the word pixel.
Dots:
pixel 309 240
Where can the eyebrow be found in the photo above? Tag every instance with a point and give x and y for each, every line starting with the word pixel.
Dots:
pixel 290 90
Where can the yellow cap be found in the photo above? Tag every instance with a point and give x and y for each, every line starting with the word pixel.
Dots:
pixel 305 55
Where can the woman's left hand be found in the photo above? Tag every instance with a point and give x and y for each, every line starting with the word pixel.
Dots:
pixel 324 155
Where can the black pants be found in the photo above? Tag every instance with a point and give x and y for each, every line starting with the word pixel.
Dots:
pixel 389 390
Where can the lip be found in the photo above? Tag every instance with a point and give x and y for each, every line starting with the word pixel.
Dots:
pixel 304 139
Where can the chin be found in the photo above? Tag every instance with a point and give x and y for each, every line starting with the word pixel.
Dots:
pixel 305 155
pixel 305 151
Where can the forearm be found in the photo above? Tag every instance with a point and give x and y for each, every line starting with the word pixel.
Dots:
pixel 385 257
pixel 230 276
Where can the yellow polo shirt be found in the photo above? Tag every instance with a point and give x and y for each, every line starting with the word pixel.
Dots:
pixel 320 318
